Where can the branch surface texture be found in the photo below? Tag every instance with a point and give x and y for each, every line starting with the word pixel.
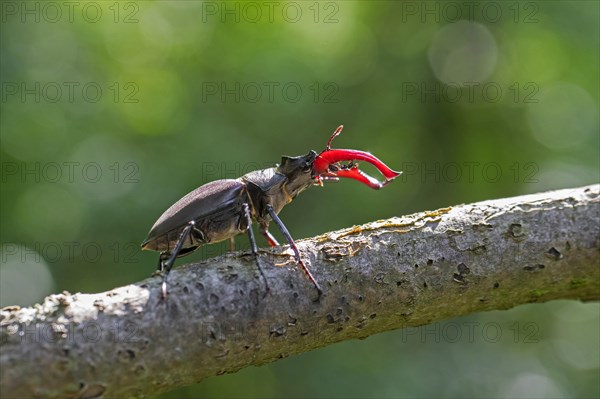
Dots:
pixel 401 272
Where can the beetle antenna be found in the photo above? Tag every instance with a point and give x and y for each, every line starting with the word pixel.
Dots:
pixel 334 135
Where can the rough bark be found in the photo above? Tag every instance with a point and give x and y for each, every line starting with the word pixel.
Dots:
pixel 388 274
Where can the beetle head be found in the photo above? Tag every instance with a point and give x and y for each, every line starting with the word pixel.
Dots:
pixel 333 164
pixel 298 171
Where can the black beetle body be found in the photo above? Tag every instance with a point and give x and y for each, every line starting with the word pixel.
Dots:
pixel 222 209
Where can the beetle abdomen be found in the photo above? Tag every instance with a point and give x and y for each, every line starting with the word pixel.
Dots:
pixel 215 210
pixel 205 231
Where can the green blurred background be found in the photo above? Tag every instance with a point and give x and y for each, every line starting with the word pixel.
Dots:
pixel 111 112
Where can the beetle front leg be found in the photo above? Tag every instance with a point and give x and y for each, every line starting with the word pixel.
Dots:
pixel 290 241
pixel 253 242
pixel 166 266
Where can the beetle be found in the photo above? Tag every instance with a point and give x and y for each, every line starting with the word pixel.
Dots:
pixel 222 209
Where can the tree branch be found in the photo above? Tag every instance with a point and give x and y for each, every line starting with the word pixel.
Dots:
pixel 384 275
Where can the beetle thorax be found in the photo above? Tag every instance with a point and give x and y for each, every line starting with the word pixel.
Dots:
pixel 272 186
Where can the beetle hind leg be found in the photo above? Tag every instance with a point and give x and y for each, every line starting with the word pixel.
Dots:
pixel 164 255
pixel 167 259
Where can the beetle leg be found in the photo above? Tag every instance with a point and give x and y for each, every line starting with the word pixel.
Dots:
pixel 264 230
pixel 162 257
pixel 231 244
pixel 169 263
pixel 290 241
pixel 253 242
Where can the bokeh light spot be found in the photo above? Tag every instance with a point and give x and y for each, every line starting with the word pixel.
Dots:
pixel 109 168
pixel 24 276
pixel 463 52
pixel 565 116
pixel 530 385
pixel 160 94
pixel 49 212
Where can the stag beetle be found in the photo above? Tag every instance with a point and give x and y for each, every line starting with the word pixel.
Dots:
pixel 222 209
